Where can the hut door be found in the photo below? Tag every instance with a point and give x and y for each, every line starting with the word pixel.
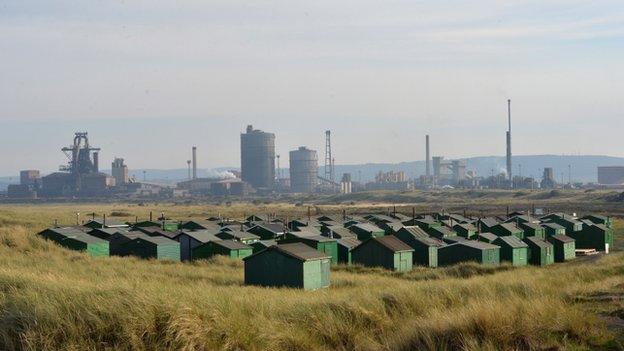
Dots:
pixel 607 248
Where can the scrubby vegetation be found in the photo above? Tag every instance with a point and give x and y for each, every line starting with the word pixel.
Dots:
pixel 55 299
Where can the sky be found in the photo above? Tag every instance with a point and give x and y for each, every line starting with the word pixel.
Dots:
pixel 148 79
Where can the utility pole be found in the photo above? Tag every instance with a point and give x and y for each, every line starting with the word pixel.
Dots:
pixel 279 170
pixel 570 175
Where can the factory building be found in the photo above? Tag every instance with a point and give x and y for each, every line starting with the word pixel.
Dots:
pixel 303 170
pixel 548 179
pixel 120 172
pixel 611 175
pixel 258 158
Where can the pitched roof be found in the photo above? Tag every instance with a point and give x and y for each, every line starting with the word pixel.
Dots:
pixel 429 241
pixel 511 240
pixel 237 234
pixel 553 226
pixel 158 240
pixel 510 227
pixel 367 227
pixel 537 241
pixel 349 242
pixel 231 244
pixel 488 236
pixel 414 231
pixel 202 236
pixel 85 238
pixel 477 244
pixel 562 238
pixel 392 243
pixel 299 251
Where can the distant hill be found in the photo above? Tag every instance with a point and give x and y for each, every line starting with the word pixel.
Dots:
pixel 584 168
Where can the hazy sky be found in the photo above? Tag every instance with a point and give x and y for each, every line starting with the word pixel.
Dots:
pixel 148 79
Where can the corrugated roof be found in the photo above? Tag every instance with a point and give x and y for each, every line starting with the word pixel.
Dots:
pixel 414 231
pixel 237 234
pixel 477 244
pixel 202 236
pixel 512 241
pixel 349 242
pixel 430 241
pixel 300 251
pixel 488 236
pixel 158 240
pixel 85 238
pixel 510 227
pixel 562 238
pixel 537 241
pixel 231 244
pixel 553 225
pixel 367 227
pixel 392 243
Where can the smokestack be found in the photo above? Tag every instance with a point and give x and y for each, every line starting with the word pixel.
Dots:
pixel 96 162
pixel 428 157
pixel 194 162
pixel 509 170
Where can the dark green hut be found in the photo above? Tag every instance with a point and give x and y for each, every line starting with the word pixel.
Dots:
pixel 345 246
pixel 466 251
pixel 337 232
pixel 570 224
pixel 318 242
pixel 486 224
pixel 597 236
pixel 290 265
pixel 190 239
pixel 387 251
pixel 156 247
pixel 230 248
pixel 465 230
pixel 551 229
pixel 564 247
pixel 513 250
pixel 597 219
pixel 262 244
pixel 487 237
pixel 116 241
pixel 58 234
pixel 95 247
pixel 440 232
pixel 425 247
pixel 365 231
pixel 532 229
pixel 424 223
pixel 268 231
pixel 243 237
pixel 541 252
pixel 507 229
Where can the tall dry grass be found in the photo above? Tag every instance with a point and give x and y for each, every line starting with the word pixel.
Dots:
pixel 56 299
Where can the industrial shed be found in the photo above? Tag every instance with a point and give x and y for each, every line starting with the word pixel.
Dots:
pixel 465 230
pixel 365 231
pixel 551 229
pixel 541 252
pixel 597 236
pixel 320 243
pixel 532 229
pixel 230 248
pixel 513 250
pixel 345 247
pixel 290 265
pixel 425 247
pixel 507 229
pixel 387 252
pixel 563 246
pixel 191 239
pixel 156 247
pixel 465 251
pixel 243 237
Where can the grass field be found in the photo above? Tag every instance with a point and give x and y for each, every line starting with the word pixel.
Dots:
pixel 54 299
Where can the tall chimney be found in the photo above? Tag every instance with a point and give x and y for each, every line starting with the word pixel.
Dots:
pixel 509 170
pixel 428 157
pixel 96 162
pixel 194 162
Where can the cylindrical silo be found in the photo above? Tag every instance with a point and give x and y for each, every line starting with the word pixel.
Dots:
pixel 258 158
pixel 303 170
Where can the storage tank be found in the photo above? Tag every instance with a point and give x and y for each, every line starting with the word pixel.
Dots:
pixel 303 170
pixel 258 158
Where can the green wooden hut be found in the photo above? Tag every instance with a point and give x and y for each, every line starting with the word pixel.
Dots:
pixel 58 234
pixel 105 233
pixel 469 250
pixel 598 219
pixel 231 248
pixel 541 252
pixel 571 225
pixel 465 230
pixel 200 225
pixel 144 224
pixel 337 232
pixel 156 247
pixel 563 246
pixel 387 252
pixel 365 231
pixel 262 245
pixel 507 229
pixel 424 223
pixel 289 265
pixel 487 237
pixel 322 244
pixel 244 237
pixel 106 223
pixel 513 250
pixel 425 247
pixel 552 228
pixel 486 224
pixel 345 247
pixel 95 247
pixel 268 231
pixel 440 232
pixel 597 236
pixel 532 229
pixel 190 239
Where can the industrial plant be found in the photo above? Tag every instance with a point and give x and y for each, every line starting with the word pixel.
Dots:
pixel 260 174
